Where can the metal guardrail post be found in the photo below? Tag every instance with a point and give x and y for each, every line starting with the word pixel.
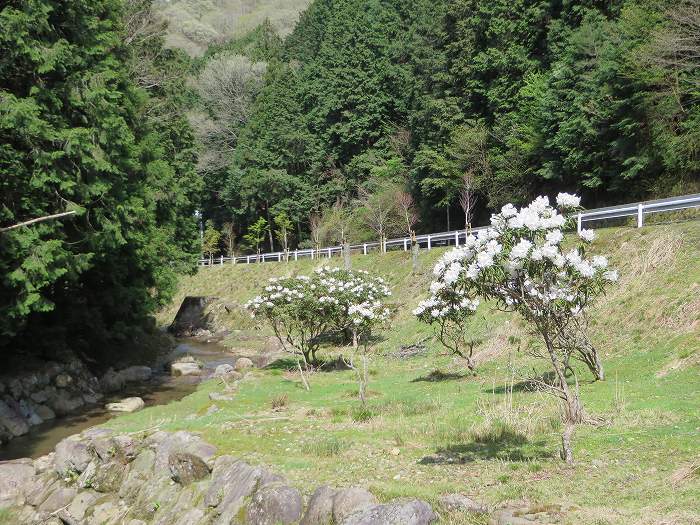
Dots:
pixel 456 238
pixel 364 248
pixel 640 215
pixel 429 244
pixel 248 260
pixel 579 223
pixel 405 245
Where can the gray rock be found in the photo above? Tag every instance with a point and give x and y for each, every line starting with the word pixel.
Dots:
pixel 243 363
pixel 274 504
pixel 108 476
pixel 128 404
pixel 232 482
pixel 140 471
pixel 64 403
pixel 72 455
pixel 319 511
pixel 165 443
pixel 27 409
pixel 413 512
pixel 186 468
pixel 185 369
pixel 347 501
pixel 12 421
pixel 45 413
pixel 223 370
pixel 16 479
pixel 43 395
pixel 135 374
pixel 62 380
pixel 83 501
pixel 41 488
pixel 44 463
pixel 111 381
pixel 461 503
pixel 58 499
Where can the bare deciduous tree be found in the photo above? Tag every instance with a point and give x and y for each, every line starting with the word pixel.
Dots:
pixel 467 199
pixel 677 45
pixel 380 212
pixel 227 85
pixel 229 235
pixel 407 208
pixel 316 230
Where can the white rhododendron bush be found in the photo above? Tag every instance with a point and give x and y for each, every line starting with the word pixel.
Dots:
pixel 520 265
pixel 305 310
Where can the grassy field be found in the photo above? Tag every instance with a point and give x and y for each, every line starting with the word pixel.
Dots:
pixel 432 429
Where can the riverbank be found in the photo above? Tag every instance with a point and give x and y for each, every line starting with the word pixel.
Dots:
pixel 76 399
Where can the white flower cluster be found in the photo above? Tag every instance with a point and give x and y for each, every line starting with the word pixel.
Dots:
pixel 338 297
pixel 518 261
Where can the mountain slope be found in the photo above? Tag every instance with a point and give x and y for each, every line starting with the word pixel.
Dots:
pixel 194 24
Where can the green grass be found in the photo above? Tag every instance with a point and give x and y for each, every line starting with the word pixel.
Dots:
pixel 483 435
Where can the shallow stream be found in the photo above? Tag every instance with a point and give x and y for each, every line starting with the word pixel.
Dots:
pixel 160 390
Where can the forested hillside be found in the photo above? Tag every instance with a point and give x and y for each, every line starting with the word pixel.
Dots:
pixel 406 106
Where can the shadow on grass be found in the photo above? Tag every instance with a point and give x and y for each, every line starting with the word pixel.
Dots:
pixel 506 444
pixel 534 384
pixel 526 385
pixel 291 364
pixel 438 375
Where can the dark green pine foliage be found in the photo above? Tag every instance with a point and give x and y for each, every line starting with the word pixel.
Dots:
pixel 76 133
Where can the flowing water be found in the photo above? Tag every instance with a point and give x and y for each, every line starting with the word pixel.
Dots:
pixel 160 390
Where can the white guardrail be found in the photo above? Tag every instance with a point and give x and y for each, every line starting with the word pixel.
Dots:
pixel 637 209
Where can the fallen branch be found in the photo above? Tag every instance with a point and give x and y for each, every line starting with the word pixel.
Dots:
pixel 37 220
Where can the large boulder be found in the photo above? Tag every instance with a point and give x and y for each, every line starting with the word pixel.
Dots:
pixel 223 370
pixel 12 420
pixel 185 368
pixel 347 501
pixel 59 499
pixel 129 404
pixel 232 481
pixel 319 511
pixel 243 363
pixel 164 444
pixel 72 455
pixel 186 468
pixel 15 480
pixel 413 512
pixel 274 504
pixel 461 503
pixel 112 381
pixel 64 402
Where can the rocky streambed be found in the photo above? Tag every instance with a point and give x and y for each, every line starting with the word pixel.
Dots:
pixel 40 408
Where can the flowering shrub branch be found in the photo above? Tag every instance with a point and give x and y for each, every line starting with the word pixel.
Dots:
pixel 305 310
pixel 519 263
